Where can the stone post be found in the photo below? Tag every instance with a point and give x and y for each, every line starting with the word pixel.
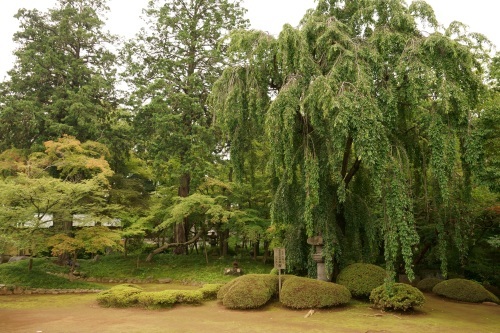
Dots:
pixel 317 242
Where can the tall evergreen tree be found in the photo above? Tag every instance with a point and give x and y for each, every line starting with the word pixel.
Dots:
pixel 63 78
pixel 171 68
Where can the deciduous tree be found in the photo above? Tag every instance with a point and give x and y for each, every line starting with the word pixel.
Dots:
pixel 366 115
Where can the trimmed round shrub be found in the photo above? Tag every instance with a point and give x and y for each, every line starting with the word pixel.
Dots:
pixel 464 290
pixel 361 279
pixel 427 284
pixel 122 295
pixel 304 293
pixel 397 296
pixel 248 291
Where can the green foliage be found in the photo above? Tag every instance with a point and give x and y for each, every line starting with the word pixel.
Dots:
pixel 123 295
pixel 428 284
pixel 89 239
pixel 397 296
pixel 192 268
pixel 357 92
pixel 248 291
pixel 17 274
pixel 210 290
pixel 304 293
pixel 464 290
pixel 360 279
pixel 63 79
pixel 127 295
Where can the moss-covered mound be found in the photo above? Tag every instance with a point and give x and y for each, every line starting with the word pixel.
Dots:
pixel 130 295
pixel 304 293
pixel 248 291
pixel 361 279
pixel 123 295
pixel 464 290
pixel 427 284
pixel 397 296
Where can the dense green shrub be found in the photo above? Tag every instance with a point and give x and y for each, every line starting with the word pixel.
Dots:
pixel 210 290
pixel 427 284
pixel 248 291
pixel 397 296
pixel 464 290
pixel 123 295
pixel 167 298
pixel 158 299
pixel 361 279
pixel 129 295
pixel 304 293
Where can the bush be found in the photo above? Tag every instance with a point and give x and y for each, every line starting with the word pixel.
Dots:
pixel 129 295
pixel 464 290
pixel 304 293
pixel 123 295
pixel 210 291
pixel 167 298
pixel 427 284
pixel 157 299
pixel 361 279
pixel 397 296
pixel 248 291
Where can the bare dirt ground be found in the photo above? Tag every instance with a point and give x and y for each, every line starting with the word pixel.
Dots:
pixel 82 314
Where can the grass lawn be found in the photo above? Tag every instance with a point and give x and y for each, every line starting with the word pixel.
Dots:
pixel 191 268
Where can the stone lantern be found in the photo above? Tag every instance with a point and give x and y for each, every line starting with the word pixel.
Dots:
pixel 317 242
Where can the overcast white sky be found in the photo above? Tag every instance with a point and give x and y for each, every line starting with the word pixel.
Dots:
pixel 268 15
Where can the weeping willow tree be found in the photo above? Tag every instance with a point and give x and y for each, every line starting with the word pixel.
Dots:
pixel 366 116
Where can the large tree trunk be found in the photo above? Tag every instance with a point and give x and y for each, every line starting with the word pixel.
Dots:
pixel 223 242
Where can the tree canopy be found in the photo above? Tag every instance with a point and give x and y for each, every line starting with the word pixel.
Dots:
pixel 63 78
pixel 367 118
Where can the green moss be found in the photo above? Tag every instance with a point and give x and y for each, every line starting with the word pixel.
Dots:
pixel 249 291
pixel 361 279
pixel 427 284
pixel 304 293
pixel 397 296
pixel 464 290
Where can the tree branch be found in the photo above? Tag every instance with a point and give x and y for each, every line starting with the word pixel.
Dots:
pixel 169 245
pixel 347 152
pixel 352 172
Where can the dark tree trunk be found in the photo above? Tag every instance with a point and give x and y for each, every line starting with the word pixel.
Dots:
pixel 266 251
pixel 180 228
pixel 223 242
pixel 256 246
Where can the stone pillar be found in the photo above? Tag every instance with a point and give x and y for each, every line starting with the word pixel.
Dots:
pixel 317 242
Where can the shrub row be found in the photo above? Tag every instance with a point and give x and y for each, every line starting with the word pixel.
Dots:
pixel 126 295
pixel 254 291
